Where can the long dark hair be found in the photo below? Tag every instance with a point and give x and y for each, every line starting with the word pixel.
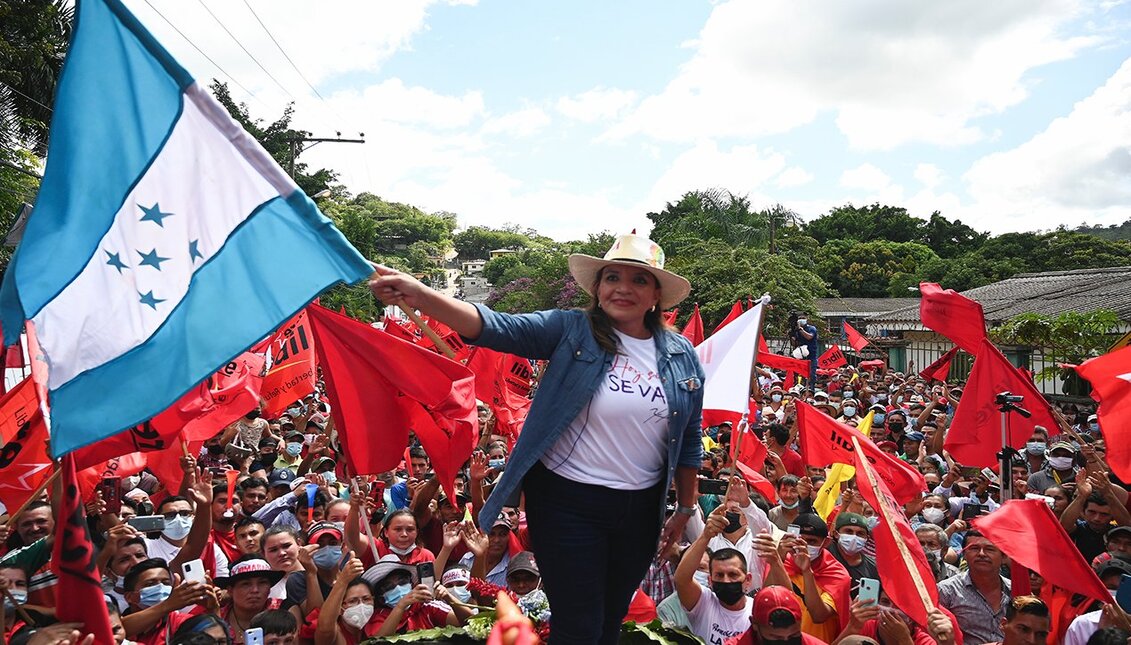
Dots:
pixel 603 327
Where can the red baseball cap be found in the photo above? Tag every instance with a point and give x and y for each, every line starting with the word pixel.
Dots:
pixel 769 599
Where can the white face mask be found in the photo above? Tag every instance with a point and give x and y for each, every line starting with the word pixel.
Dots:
pixel 851 544
pixel 400 551
pixel 358 615
pixel 177 529
pixel 814 552
pixel 802 321
pixel 934 515
pixel 1061 463
pixel 703 578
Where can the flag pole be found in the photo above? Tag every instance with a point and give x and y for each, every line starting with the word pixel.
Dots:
pixel 419 322
pixel 885 512
pixel 24 616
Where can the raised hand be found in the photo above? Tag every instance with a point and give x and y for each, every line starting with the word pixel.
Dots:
pixel 451 535
pixel 478 468
pixel 737 491
pixel 476 540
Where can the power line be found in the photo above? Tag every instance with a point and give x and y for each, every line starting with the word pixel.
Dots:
pixel 29 98
pixel 283 52
pixel 250 55
pixel 206 56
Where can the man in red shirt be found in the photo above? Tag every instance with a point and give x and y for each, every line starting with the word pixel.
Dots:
pixel 777 436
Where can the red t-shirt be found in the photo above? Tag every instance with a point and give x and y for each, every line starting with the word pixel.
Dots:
pixel 160 634
pixel 751 638
pixel 793 462
pixel 417 617
pixel 433 537
pixel 416 556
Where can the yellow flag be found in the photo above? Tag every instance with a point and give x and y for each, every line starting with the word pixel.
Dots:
pixel 826 498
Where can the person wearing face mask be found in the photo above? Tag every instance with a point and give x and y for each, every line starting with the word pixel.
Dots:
pixel 934 542
pixel 821 584
pixel 745 519
pixel 455 580
pixel 399 605
pixel 249 587
pixel 802 334
pixel 523 577
pixel 722 610
pixel 886 624
pixel 789 503
pixel 1035 449
pixel 155 599
pixel 776 620
pixel 1060 467
pixel 14 579
pixel 293 444
pixel 848 409
pixel 181 521
pixel 320 559
pixel 775 409
pixel 851 532
pixel 251 428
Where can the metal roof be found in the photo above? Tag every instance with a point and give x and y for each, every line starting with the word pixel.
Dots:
pixel 861 307
pixel 1050 293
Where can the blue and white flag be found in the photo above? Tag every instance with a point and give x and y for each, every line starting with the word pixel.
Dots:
pixel 165 240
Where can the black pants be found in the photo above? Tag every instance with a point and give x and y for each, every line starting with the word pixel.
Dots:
pixel 593 546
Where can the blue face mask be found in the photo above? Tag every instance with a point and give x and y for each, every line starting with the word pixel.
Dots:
pixel 462 594
pixel 872 522
pixel 19 595
pixel 394 595
pixel 327 557
pixel 1094 427
pixel 330 476
pixel 294 448
pixel 154 595
pixel 879 417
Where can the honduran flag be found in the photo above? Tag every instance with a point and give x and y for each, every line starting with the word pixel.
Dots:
pixel 165 240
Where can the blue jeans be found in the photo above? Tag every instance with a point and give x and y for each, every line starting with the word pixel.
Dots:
pixel 593 546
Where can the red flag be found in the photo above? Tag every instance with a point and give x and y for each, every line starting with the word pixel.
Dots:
pixel 824 441
pixel 1110 376
pixel 24 461
pixel 693 330
pixel 396 329
pixel 292 375
pixel 974 438
pixel 1027 531
pixel 763 347
pixel 939 370
pixel 832 358
pixel 855 338
pixel 73 561
pixel 905 575
pixel 787 363
pixel 735 312
pixel 749 449
pixel 670 316
pixel 90 478
pixel 755 481
pixel 503 382
pixel 449 336
pixel 14 356
pixel 380 387
pixel 953 315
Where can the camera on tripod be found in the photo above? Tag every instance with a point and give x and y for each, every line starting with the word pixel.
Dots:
pixel 1008 397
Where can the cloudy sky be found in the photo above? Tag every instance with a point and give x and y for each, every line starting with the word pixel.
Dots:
pixel 582 116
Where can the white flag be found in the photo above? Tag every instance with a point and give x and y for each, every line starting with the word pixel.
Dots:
pixel 728 358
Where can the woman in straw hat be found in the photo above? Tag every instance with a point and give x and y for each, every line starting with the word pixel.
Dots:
pixel 614 423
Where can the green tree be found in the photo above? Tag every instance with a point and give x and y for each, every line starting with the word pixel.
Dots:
pixel 276 137
pixel 709 214
pixel 873 269
pixel 16 189
pixel 477 242
pixel 1069 338
pixel 34 36
pixel 875 222
pixel 950 239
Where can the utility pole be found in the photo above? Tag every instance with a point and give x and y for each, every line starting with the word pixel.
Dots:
pixel 295 140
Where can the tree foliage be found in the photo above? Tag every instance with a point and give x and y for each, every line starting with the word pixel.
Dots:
pixel 873 269
pixel 34 36
pixel 1070 338
pixel 709 214
pixel 477 242
pixel 540 278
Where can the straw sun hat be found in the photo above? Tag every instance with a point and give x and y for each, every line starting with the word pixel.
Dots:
pixel 637 251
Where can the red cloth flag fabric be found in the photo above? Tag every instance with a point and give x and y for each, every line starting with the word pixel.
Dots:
pixel 896 546
pixel 24 461
pixel 832 358
pixel 292 374
pixel 825 441
pixel 503 382
pixel 14 356
pixel 735 312
pixel 1027 531
pixel 124 466
pixel 940 369
pixel 398 330
pixel 693 330
pixel 872 365
pixel 380 387
pixel 763 346
pixel 1110 376
pixel 974 438
pixel 449 336
pixel 670 316
pixel 73 561
pixel 953 315
pixel 833 579
pixel 786 363
pixel 748 449
pixel 857 340
pixel 756 481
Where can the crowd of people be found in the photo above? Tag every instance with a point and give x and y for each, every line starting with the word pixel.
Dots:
pixel 296 549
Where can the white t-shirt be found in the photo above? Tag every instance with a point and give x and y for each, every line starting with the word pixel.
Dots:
pixel 619 440
pixel 714 623
pixel 167 551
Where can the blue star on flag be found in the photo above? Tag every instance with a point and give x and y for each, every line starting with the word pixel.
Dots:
pixel 149 300
pixel 153 214
pixel 194 252
pixel 115 261
pixel 151 259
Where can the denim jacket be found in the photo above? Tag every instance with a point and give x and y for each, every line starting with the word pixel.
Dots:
pixel 577 366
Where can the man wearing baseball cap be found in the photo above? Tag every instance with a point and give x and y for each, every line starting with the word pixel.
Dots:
pixel 776 620
pixel 851 531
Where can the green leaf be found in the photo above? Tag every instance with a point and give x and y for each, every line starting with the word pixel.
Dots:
pixel 656 632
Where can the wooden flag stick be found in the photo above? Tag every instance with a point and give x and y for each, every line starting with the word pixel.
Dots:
pixel 885 512
pixel 24 616
pixel 35 494
pixel 428 331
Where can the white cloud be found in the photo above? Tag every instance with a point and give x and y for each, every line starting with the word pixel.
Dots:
pixel 793 177
pixel 1078 168
pixel 891 71
pixel 929 175
pixel 520 123
pixel 392 100
pixel 596 104
pixel 741 170
pixel 865 177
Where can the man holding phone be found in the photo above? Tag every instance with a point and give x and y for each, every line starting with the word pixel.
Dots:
pixel 721 611
pixel 852 533
pixel 744 521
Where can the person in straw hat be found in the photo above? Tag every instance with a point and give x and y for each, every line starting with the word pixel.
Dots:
pixel 615 421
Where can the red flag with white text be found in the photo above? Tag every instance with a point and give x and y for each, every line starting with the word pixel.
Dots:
pixel 24 459
pixel 832 358
pixel 292 374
